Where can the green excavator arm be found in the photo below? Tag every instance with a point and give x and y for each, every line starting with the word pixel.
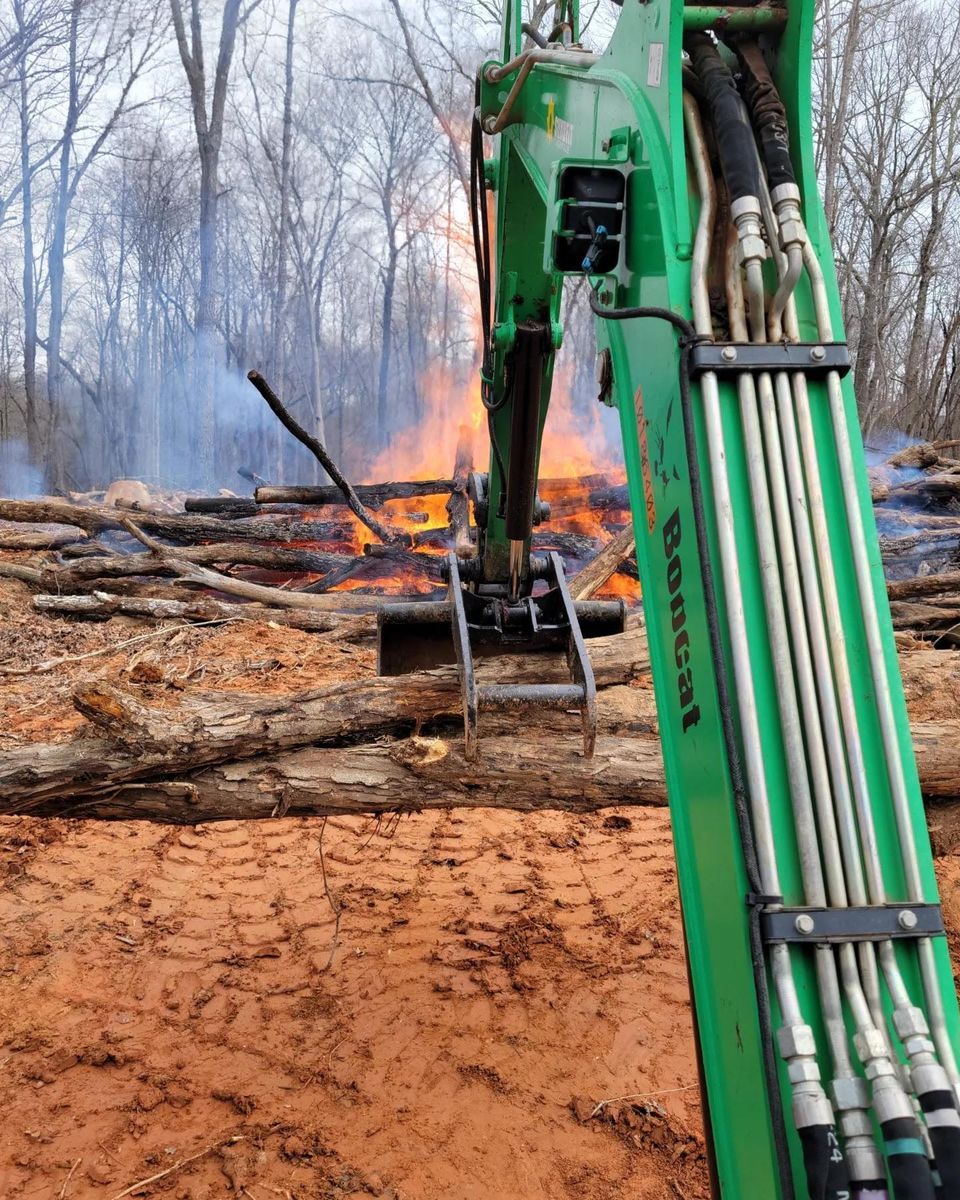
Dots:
pixel 673 175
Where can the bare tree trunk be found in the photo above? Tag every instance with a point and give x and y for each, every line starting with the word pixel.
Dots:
pixel 58 243
pixel 386 348
pixel 209 131
pixel 31 416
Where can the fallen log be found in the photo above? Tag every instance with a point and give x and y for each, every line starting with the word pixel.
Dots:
pixel 103 605
pixel 919 543
pixel 939 487
pixel 458 505
pixel 924 617
pixel 140 743
pixel 119 566
pixel 373 495
pixel 176 527
pixel 522 773
pixel 188 572
pixel 56 539
pixel 596 573
pixel 924 585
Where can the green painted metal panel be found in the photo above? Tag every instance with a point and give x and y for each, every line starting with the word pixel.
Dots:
pixel 627 110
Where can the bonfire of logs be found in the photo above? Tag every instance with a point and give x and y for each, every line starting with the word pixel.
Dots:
pixel 322 559
pixel 338 550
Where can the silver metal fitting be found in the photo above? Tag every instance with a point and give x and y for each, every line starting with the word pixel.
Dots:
pixel 803 1070
pixel 746 216
pixel 751 247
pixel 786 202
pixel 907 919
pixel 909 1022
pixel 728 354
pixel 871 1044
pixel 812 1109
pixel 915 1046
pixel 879 1068
pixel 792 232
pixel 744 207
pixel 850 1092
pixel 489 123
pixel 890 1102
pixel 865 1162
pixel 805 923
pixel 796 1041
pixel 785 191
pixel 930 1077
pixel 818 353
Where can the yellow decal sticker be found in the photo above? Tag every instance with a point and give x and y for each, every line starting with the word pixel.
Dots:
pixel 551 118
pixel 648 500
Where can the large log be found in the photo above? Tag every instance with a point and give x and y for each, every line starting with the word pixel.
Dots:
pixel 524 773
pixel 176 527
pixel 141 743
pixel 596 573
pixel 120 566
pixel 54 539
pixel 373 495
pixel 526 770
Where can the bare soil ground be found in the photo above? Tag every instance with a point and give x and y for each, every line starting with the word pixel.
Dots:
pixel 431 1007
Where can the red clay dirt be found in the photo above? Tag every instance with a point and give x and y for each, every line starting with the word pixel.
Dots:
pixel 471 1004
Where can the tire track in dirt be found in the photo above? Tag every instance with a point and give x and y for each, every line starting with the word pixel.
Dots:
pixel 163 989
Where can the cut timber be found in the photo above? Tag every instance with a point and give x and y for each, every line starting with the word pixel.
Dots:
pixel 940 487
pixel 176 527
pixel 373 495
pixel 141 742
pixel 596 573
pixel 118 566
pixel 188 572
pixel 56 539
pixel 522 773
pixel 924 585
pixel 103 605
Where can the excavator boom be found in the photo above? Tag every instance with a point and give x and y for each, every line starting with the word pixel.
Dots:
pixel 674 174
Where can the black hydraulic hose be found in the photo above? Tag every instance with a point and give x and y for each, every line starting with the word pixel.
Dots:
pixel 945 1140
pixel 735 140
pixel 480 222
pixel 767 113
pixel 770 121
pixel 907 1160
pixel 756 901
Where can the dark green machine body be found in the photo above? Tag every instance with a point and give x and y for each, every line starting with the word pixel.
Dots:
pixel 623 112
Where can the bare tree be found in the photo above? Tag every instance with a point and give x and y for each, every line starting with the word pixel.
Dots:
pixel 208 126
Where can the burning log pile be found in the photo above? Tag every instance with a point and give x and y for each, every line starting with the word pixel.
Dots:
pixel 320 560
pixel 916 496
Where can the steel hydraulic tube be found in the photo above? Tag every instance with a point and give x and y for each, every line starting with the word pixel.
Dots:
pixel 812 1111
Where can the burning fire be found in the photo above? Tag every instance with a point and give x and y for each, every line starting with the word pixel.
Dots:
pixel 576 464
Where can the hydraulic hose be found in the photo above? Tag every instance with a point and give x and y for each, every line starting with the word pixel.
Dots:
pixel 766 111
pixel 928 1077
pixel 811 1107
pixel 735 143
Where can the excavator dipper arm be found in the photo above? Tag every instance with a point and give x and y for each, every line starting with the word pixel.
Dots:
pixel 673 175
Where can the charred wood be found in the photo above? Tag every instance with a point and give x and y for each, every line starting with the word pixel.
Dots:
pixel 373 495
pixel 319 451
